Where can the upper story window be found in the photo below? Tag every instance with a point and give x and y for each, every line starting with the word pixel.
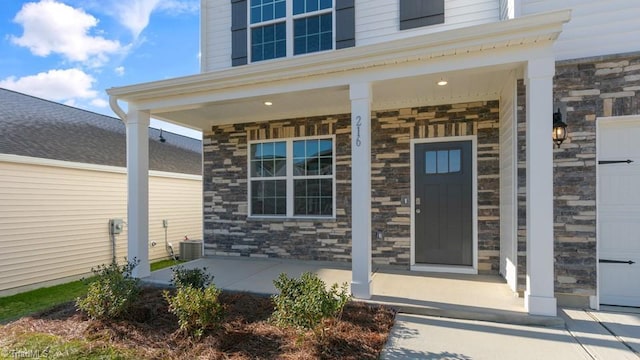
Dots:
pixel 282 27
pixel 313 32
pixel 266 10
pixel 270 29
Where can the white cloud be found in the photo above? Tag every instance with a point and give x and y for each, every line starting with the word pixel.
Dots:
pixel 179 6
pixel 58 85
pixel 99 103
pixel 53 27
pixel 134 15
pixel 119 70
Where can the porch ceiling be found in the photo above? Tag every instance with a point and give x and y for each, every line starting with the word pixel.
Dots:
pixel 470 85
pixel 474 60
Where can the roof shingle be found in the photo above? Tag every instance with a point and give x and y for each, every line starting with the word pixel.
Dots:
pixel 35 127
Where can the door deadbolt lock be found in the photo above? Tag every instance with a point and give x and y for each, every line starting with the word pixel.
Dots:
pixel 417 211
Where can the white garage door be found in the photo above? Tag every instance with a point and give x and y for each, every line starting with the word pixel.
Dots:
pixel 619 210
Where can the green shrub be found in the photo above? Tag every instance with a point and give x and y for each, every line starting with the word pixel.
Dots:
pixel 197 309
pixel 305 302
pixel 111 292
pixel 196 278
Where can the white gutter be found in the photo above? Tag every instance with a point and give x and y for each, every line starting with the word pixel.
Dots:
pixel 113 102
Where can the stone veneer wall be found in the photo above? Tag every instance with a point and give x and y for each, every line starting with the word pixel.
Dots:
pixel 228 231
pixel 391 174
pixel 585 90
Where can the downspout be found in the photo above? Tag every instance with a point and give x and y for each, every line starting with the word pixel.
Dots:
pixel 113 247
pixel 113 103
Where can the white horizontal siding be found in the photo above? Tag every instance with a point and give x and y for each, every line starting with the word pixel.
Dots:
pixel 376 21
pixel 216 37
pixel 180 202
pixel 508 186
pixel 54 220
pixel 507 9
pixel 379 20
pixel 596 28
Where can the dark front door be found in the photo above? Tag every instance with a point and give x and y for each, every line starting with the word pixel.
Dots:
pixel 443 203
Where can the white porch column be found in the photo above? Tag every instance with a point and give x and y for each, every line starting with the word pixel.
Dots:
pixel 138 189
pixel 539 296
pixel 360 95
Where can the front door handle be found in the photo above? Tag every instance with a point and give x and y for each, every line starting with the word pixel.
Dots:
pixel 607 261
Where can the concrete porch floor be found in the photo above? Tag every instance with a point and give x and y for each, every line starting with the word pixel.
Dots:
pixel 472 297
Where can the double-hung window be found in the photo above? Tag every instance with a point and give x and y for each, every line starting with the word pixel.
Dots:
pixel 292 178
pixel 280 28
pixel 312 26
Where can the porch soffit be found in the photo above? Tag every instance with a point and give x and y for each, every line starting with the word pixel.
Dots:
pixel 318 84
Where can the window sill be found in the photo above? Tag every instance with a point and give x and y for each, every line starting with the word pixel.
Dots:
pixel 292 219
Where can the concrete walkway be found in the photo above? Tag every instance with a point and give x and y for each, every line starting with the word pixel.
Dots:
pixel 477 297
pixel 256 275
pixel 589 335
pixel 422 337
pixel 446 316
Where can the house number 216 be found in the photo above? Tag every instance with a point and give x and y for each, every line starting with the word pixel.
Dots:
pixel 358 124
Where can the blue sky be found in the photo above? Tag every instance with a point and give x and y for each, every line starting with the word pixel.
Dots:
pixel 71 51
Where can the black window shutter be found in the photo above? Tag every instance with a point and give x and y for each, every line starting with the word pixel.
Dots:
pixel 345 24
pixel 238 32
pixel 418 13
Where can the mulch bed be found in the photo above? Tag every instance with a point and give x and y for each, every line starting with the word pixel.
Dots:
pixel 153 333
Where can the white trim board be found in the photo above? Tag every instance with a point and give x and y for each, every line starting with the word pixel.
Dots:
pixel 474 194
pixel 508 160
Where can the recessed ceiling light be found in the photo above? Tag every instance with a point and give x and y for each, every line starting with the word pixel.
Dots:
pixel 268 103
pixel 442 82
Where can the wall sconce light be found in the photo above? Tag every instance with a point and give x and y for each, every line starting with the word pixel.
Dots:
pixel 559 128
pixel 162 139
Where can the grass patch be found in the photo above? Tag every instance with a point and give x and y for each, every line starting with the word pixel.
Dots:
pixel 26 303
pixel 165 264
pixel 38 345
pixel 16 306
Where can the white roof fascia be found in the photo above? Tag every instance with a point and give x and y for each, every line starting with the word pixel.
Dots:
pixel 527 30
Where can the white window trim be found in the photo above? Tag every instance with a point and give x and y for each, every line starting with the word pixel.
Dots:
pixel 290 178
pixel 288 19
